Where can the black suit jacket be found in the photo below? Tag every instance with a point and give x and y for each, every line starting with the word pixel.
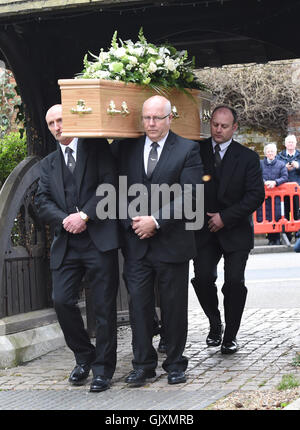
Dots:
pixel 179 163
pixel 239 193
pixel 94 166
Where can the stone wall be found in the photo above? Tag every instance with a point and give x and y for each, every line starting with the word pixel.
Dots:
pixel 294 126
pixel 257 140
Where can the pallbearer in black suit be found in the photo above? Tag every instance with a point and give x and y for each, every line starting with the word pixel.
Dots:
pixel 155 244
pixel 234 189
pixel 83 245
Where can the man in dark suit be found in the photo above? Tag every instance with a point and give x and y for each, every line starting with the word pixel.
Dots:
pixel 233 190
pixel 83 245
pixel 157 245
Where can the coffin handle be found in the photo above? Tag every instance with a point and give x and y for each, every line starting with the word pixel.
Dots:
pixel 111 110
pixel 81 108
pixel 175 112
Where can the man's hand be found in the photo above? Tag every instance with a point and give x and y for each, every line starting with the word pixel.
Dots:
pixel 215 223
pixel 74 224
pixel 144 226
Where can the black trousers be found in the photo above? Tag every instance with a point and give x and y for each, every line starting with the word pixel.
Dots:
pixel 234 289
pixel 101 272
pixel 172 278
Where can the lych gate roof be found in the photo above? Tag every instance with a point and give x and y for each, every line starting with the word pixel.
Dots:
pixel 11 7
pixel 42 41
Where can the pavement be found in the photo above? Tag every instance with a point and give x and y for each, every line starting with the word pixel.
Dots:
pixel 268 344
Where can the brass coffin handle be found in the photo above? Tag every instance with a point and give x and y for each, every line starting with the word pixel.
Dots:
pixel 81 108
pixel 124 111
pixel 206 115
pixel 175 112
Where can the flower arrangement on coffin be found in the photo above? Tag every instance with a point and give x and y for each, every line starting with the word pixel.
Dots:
pixel 143 63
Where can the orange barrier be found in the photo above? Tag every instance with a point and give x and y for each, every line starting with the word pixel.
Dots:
pixel 287 192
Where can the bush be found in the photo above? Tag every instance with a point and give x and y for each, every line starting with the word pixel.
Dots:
pixel 13 149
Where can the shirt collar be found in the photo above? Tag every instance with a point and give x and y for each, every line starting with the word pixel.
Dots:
pixel 161 142
pixel 223 145
pixel 72 145
pixel 291 155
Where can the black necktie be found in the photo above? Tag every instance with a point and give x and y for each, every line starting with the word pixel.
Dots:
pixel 218 158
pixel 152 160
pixel 71 159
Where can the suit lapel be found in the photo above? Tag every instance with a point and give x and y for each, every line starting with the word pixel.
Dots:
pixel 57 176
pixel 81 160
pixel 164 158
pixel 139 167
pixel 229 163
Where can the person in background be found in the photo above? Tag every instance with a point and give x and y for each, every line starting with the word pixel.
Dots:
pixel 291 158
pixel 274 174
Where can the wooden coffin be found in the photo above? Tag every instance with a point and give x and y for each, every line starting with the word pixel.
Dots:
pixel 112 109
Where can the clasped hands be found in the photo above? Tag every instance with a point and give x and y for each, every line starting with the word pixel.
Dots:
pixel 74 224
pixel 270 184
pixel 143 226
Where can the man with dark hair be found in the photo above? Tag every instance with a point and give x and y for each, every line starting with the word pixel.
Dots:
pixel 83 245
pixel 233 190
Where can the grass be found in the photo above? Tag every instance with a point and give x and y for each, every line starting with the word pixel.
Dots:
pixel 296 361
pixel 288 382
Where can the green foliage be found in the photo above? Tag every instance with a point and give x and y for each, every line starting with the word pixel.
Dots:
pixel 296 360
pixel 11 107
pixel 142 63
pixel 13 149
pixel 288 382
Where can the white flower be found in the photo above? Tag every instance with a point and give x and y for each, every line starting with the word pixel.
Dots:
pixel 130 49
pixel 103 56
pixel 102 74
pixel 152 67
pixel 132 59
pixel 139 51
pixel 120 52
pixel 151 51
pixel 170 64
pixel 163 51
pixel 159 61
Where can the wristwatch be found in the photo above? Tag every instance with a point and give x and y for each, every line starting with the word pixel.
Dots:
pixel 83 216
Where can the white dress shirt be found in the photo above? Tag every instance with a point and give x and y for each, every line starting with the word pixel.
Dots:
pixel 223 147
pixel 147 149
pixel 72 145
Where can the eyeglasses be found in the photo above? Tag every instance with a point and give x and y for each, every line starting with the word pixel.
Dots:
pixel 155 118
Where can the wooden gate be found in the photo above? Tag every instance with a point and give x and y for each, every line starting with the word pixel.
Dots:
pixel 25 278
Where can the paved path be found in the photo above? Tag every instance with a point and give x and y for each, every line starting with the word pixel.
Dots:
pixel 268 339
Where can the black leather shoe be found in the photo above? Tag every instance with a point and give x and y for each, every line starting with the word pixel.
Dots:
pixel 229 347
pixel 99 383
pixel 176 377
pixel 79 374
pixel 214 337
pixel 137 377
pixel 162 347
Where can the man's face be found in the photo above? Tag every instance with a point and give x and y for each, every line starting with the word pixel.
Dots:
pixel 290 145
pixel 222 126
pixel 156 119
pixel 54 122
